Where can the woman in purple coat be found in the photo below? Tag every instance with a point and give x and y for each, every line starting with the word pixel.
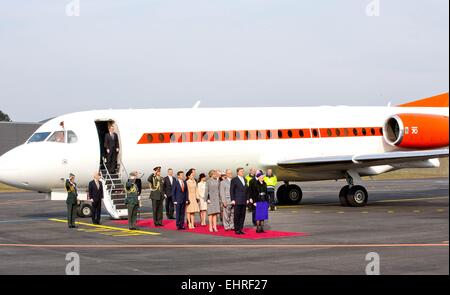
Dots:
pixel 260 199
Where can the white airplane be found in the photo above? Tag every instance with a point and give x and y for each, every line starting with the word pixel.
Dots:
pixel 298 143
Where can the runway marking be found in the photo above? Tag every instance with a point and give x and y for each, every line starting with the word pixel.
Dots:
pixel 391 212
pixel 111 228
pixel 340 212
pixel 224 246
pixel 440 210
pixel 409 200
pixel 365 212
pixel 416 211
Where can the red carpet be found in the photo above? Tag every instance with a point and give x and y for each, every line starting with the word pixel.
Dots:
pixel 250 233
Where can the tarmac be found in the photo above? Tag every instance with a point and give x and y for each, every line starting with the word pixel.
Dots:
pixel 406 223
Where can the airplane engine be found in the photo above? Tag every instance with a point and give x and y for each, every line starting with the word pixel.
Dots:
pixel 416 131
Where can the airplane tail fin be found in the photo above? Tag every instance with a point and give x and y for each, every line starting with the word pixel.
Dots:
pixel 438 101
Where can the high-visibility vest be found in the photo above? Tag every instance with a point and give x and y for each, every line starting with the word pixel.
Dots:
pixel 271 181
pixel 248 178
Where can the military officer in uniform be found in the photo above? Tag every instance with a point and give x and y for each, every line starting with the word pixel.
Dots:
pixel 132 201
pixel 157 195
pixel 72 200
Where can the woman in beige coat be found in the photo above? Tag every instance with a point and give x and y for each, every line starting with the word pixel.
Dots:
pixel 192 207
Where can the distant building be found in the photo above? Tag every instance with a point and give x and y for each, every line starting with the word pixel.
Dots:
pixel 14 134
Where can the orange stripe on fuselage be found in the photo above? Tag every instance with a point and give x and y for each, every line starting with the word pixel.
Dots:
pixel 238 135
pixel 438 101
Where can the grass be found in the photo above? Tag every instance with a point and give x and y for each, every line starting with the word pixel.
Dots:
pixel 6 188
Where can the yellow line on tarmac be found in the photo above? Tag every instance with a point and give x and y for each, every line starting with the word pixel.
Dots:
pixel 109 227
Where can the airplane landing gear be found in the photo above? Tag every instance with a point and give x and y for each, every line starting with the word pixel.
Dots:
pixel 353 195
pixel 289 194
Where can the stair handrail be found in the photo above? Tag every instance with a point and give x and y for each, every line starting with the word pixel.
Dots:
pixel 109 205
pixel 108 175
pixel 122 167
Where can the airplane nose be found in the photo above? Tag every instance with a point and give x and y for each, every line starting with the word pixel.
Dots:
pixel 9 172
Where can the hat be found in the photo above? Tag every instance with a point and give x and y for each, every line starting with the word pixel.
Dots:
pixel 157 168
pixel 259 174
pixel 71 175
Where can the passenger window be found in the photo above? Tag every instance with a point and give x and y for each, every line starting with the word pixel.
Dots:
pixel 71 137
pixel 39 137
pixel 57 136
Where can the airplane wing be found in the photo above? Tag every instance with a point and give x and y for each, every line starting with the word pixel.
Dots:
pixel 360 161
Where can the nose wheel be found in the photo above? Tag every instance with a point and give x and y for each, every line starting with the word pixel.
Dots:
pixel 354 196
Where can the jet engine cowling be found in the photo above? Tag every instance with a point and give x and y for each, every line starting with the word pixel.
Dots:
pixel 417 131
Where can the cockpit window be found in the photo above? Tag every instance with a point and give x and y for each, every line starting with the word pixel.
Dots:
pixel 57 136
pixel 39 137
pixel 71 137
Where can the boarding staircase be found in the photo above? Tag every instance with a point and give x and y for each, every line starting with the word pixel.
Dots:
pixel 114 191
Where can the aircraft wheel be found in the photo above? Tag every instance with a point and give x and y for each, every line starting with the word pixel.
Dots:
pixel 294 194
pixel 85 210
pixel 281 194
pixel 343 196
pixel 357 196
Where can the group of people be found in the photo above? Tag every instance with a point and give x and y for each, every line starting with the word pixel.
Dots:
pixel 213 197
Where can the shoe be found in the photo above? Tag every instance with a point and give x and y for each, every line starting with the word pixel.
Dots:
pixel 241 232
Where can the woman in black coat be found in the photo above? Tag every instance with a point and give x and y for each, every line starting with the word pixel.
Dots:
pixel 260 199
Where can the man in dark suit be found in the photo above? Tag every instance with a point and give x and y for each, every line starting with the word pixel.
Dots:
pixel 95 193
pixel 167 188
pixel 180 199
pixel 238 195
pixel 112 150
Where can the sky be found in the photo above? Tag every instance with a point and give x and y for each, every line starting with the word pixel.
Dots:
pixel 56 59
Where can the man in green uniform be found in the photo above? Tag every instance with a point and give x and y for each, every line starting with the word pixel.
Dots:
pixel 157 195
pixel 132 201
pixel 71 201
